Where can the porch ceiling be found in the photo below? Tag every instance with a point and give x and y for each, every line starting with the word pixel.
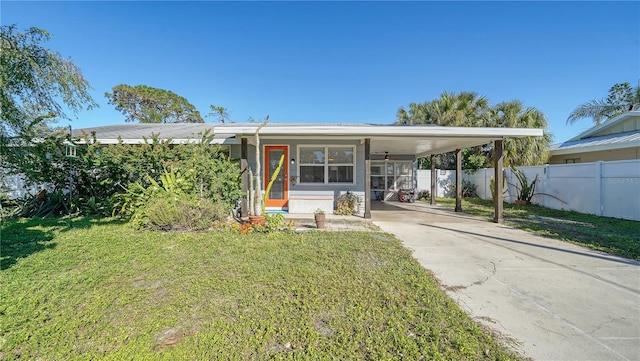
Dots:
pixel 407 140
pixel 424 146
pixel 402 145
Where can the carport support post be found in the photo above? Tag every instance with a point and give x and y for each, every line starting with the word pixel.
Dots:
pixel 458 181
pixel 497 187
pixel 244 179
pixel 433 180
pixel 367 178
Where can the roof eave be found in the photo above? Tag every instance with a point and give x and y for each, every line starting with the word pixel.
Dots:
pixel 609 123
pixel 594 148
pixel 111 141
pixel 392 131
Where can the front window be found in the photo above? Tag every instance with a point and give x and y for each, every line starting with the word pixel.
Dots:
pixel 324 165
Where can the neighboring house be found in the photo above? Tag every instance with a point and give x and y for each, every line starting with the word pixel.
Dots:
pixel 323 160
pixel 615 139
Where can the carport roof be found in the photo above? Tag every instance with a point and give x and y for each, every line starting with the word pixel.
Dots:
pixel 396 139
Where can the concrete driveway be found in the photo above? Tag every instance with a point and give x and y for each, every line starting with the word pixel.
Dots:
pixel 554 300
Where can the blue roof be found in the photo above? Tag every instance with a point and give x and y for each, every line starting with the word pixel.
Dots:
pixel 618 140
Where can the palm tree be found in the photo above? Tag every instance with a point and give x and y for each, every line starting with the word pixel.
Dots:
pixel 521 151
pixel 402 116
pixel 622 98
pixel 455 110
pixel 415 115
pixel 467 109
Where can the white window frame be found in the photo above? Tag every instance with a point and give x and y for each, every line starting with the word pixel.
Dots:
pixel 326 164
pixel 395 174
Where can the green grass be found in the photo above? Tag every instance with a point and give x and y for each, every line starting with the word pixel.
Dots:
pixel 103 290
pixel 615 236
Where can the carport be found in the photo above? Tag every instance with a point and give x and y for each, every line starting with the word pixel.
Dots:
pixel 389 142
pixel 423 141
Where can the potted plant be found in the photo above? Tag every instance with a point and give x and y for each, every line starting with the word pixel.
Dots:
pixel 319 216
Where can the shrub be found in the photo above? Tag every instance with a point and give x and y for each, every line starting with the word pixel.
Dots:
pixel 424 195
pixel 272 223
pixel 469 190
pixel 525 190
pixel 276 222
pixel 167 211
pixel 347 204
pixel 170 204
pixel 41 205
pixel 100 174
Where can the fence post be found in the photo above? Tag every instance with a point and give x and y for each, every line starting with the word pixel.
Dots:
pixel 545 181
pixel 487 182
pixel 598 186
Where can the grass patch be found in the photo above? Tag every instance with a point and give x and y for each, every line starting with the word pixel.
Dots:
pixel 615 236
pixel 102 290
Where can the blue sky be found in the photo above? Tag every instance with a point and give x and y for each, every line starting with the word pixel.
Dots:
pixel 344 62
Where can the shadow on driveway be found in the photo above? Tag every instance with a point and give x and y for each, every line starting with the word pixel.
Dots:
pixel 603 257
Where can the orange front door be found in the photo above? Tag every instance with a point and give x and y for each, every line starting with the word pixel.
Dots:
pixel 279 193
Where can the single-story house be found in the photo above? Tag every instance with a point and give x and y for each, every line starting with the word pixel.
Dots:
pixel 325 160
pixel 615 139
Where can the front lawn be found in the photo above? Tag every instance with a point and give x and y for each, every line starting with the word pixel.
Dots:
pixel 102 290
pixel 615 236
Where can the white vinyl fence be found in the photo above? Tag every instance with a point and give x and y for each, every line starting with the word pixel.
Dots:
pixel 610 189
pixel 15 187
pixel 444 180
